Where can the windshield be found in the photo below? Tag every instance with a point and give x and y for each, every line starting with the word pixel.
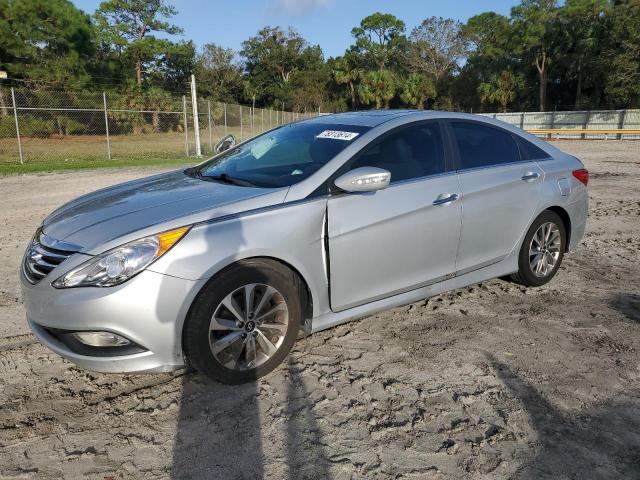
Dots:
pixel 281 157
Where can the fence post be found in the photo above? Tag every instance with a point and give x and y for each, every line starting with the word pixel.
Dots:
pixel 15 116
pixel 241 132
pixel 225 117
pixel 261 120
pixel 196 120
pixel 269 119
pixel 209 117
pixel 106 124
pixel 186 128
pixel 585 125
pixel 623 116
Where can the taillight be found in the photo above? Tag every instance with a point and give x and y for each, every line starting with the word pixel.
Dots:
pixel 582 175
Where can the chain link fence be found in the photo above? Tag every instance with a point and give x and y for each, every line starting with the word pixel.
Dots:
pixel 52 126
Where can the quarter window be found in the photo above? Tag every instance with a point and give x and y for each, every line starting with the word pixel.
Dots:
pixel 411 152
pixel 482 145
pixel 529 151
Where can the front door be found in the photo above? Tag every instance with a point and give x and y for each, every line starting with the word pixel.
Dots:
pixel 400 238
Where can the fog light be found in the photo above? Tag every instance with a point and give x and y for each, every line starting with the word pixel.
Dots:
pixel 101 339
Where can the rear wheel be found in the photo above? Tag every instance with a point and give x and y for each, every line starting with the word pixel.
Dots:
pixel 244 322
pixel 542 250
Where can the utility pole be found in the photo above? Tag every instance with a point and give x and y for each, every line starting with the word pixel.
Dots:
pixel 194 104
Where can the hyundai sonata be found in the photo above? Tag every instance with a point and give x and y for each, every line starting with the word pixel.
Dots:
pixel 306 226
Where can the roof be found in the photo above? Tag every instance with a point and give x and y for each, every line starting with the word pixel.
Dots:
pixel 369 118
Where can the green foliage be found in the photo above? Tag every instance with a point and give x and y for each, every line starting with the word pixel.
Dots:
pixel 276 62
pixel 379 39
pixel 377 87
pixel 417 89
pixel 219 74
pixel 48 41
pixel 622 55
pixel 569 54
pixel 128 26
pixel 501 89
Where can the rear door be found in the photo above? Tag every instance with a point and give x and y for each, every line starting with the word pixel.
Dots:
pixel 400 238
pixel 500 192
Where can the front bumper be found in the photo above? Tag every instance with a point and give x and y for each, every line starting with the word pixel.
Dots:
pixel 149 310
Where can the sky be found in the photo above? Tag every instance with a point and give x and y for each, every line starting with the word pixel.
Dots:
pixel 327 23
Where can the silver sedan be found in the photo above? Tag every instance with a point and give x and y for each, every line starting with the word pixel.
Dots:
pixel 307 226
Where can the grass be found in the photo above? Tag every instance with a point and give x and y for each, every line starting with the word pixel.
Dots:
pixel 83 162
pixel 75 152
pixel 90 151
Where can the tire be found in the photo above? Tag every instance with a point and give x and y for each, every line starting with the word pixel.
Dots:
pixel 232 334
pixel 554 245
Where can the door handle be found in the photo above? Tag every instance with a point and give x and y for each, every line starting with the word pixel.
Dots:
pixel 444 199
pixel 530 176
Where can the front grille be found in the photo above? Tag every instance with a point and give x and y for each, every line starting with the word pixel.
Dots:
pixel 40 260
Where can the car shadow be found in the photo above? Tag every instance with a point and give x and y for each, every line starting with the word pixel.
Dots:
pixel 218 431
pixel 602 441
pixel 305 455
pixel 628 305
pixel 221 430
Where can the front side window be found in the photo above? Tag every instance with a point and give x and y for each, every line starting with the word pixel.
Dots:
pixel 282 157
pixel 411 152
pixel 482 145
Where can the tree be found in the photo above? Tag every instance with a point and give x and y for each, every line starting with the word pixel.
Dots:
pixel 377 87
pixel 621 57
pixel 532 21
pixel 435 46
pixel 272 56
pixel 417 89
pixel 578 32
pixel 379 38
pixel 49 41
pixel 219 73
pixel 128 26
pixel 501 89
pixel 347 71
pixel 173 67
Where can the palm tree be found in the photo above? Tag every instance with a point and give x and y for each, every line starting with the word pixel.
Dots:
pixel 379 87
pixel 417 89
pixel 347 73
pixel 501 89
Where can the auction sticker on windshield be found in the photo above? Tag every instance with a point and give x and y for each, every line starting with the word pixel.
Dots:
pixel 338 135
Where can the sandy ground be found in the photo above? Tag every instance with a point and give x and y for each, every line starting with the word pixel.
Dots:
pixel 491 381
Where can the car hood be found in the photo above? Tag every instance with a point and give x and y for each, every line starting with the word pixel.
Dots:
pixel 164 201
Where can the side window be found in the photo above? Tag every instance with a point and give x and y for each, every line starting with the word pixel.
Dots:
pixel 411 152
pixel 529 151
pixel 481 145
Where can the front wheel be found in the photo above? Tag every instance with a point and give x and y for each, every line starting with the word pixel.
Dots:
pixel 244 322
pixel 542 250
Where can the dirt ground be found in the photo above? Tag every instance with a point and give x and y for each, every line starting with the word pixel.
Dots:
pixel 491 381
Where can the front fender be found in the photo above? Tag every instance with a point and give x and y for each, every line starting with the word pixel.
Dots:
pixel 291 233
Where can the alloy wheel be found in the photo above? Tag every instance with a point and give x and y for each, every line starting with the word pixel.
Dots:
pixel 248 326
pixel 544 250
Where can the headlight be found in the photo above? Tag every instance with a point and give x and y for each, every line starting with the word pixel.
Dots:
pixel 121 263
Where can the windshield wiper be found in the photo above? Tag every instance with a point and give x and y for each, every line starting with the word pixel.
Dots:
pixel 224 178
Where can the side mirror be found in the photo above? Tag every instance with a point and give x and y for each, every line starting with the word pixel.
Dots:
pixel 225 143
pixel 364 179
